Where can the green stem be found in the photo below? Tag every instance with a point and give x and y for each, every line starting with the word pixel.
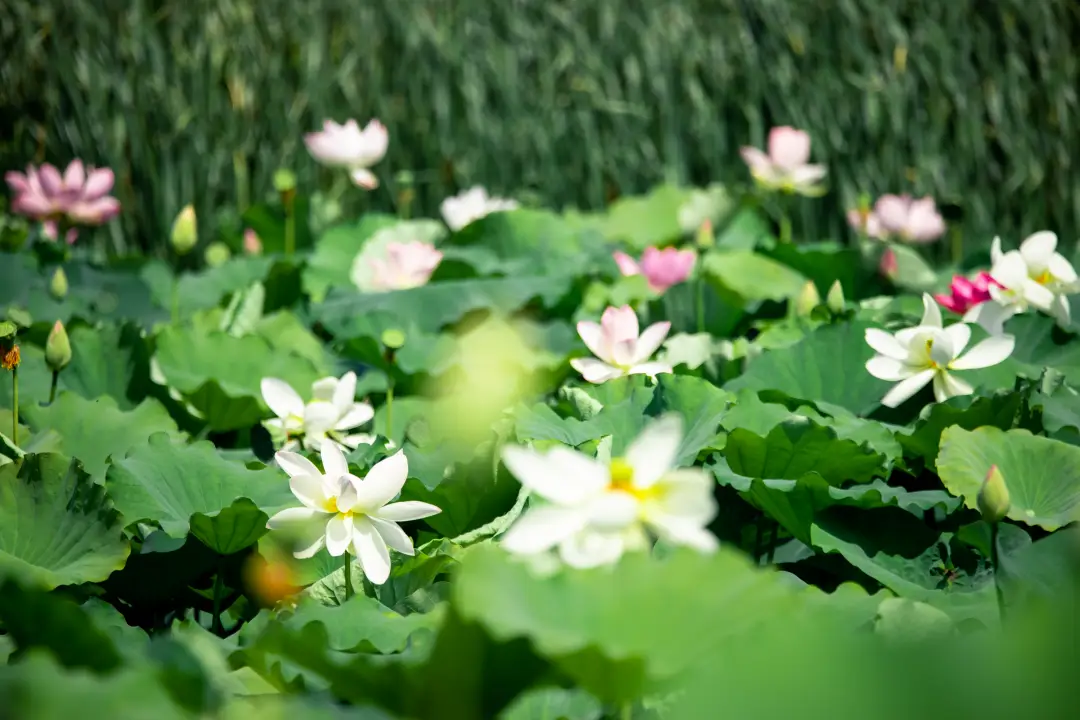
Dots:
pixel 15 406
pixel 700 302
pixel 390 409
pixel 957 246
pixel 52 388
pixel 785 228
pixel 215 625
pixel 770 549
pixel 240 173
pixel 995 561
pixel 290 230
pixel 348 577
pixel 759 535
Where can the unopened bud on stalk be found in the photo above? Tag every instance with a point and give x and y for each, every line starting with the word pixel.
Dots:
pixel 888 266
pixel 993 498
pixel 58 286
pixel 57 348
pixel 252 244
pixel 808 299
pixel 705 238
pixel 835 298
pixel 185 231
pixel 217 254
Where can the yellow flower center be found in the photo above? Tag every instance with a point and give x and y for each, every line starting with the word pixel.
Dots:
pixel 1044 278
pixel 622 480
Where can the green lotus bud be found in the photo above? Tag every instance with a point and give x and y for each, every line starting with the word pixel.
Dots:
pixel 58 286
pixel 185 231
pixel 393 339
pixel 808 299
pixel 58 348
pixel 705 237
pixel 994 499
pixel 217 253
pixel 835 298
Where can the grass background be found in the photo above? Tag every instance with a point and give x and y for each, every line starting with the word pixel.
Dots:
pixel 563 102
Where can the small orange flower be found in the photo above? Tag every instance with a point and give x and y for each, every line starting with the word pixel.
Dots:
pixel 10 359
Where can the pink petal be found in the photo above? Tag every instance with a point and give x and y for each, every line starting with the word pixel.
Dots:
pixel 627 265
pixel 74 176
pixel 758 162
pixel 619 324
pixel 18 182
pixel 892 212
pixel 95 212
pixel 789 148
pixel 51 182
pixel 98 183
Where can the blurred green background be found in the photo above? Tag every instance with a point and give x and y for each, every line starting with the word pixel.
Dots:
pixel 559 102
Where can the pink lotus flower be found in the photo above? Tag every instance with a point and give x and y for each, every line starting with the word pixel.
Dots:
pixel 786 166
pixel 966 294
pixel 347 146
pixel 252 244
pixel 80 195
pixel 909 220
pixel 661 268
pixel 405 265
pixel 888 266
pixel 619 346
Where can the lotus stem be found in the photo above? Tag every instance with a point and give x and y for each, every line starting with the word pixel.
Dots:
pixel 348 577
pixel 700 304
pixel 216 621
pixel 390 409
pixel 290 229
pixel 52 387
pixel 995 560
pixel 785 228
pixel 15 405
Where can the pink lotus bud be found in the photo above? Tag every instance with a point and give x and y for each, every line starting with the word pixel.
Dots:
pixel 252 244
pixel 888 265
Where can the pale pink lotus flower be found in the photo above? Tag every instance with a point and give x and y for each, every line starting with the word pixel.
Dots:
pixel 786 166
pixel 252 244
pixel 50 230
pixel 865 222
pixel 80 195
pixel 965 294
pixel 404 266
pixel 908 219
pixel 661 268
pixel 471 205
pixel 619 347
pixel 347 146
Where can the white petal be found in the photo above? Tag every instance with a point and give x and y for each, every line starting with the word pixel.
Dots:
pixel 683 532
pixel 649 342
pixel 687 493
pixel 947 386
pixel 1010 270
pixel 885 343
pixel 990 316
pixel 589 549
pixel 371 549
pixel 407 510
pixel 345 492
pixel 345 392
pixel 319 416
pixel 393 536
pixel 1038 295
pixel 309 490
pixel 906 388
pixel 282 400
pixel 1038 248
pixel 383 482
pixel 887 368
pixel 941 348
pixel 334 463
pixel 324 388
pixel 1062 271
pixel 593 337
pixel 542 528
pixel 294 518
pixel 339 532
pixel 1061 310
pixel 931 312
pixel 357 439
pixel 959 336
pixel 295 464
pixel 613 510
pixel 356 415
pixel 995 251
pixel 651 369
pixel 309 551
pixel 364 178
pixel 560 475
pixel 989 352
pixel 595 371
pixel 652 453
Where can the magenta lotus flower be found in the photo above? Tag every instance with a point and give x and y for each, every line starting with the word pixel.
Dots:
pixel 80 195
pixel 908 219
pixel 787 165
pixel 619 347
pixel 661 268
pixel 347 146
pixel 965 294
pixel 405 265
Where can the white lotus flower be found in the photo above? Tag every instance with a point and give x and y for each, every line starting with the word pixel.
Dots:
pixel 1036 276
pixel 928 353
pixel 332 412
pixel 471 205
pixel 595 511
pixel 347 146
pixel 347 514
pixel 621 350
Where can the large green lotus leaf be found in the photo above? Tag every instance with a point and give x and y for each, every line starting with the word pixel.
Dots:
pixel 1041 572
pixel 644 220
pixel 94 294
pixel 167 482
pixel 56 525
pixel 1041 343
pixel 130 641
pixel 794 448
pixel 747 229
pixel 590 623
pixel 828 365
pixel 1042 475
pixel 331 262
pixel 220 375
pixel 40 619
pixel 825 263
pixel 285 333
pixel 553 703
pixel 38 687
pixel 108 360
pixel 207 288
pixel 701 405
pixel 432 307
pixel 232 529
pixel 545 240
pixel 751 276
pixel 363 624
pixel 969 413
pixel 1060 415
pixel 622 420
pixel 95 430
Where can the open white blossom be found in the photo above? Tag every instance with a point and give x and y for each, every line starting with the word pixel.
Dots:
pixel 1035 275
pixel 331 413
pixel 471 205
pixel 593 512
pixel 347 514
pixel 929 353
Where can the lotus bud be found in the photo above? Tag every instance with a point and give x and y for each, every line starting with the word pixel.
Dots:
pixel 993 498
pixel 185 231
pixel 57 348
pixel 252 244
pixel 58 286
pixel 889 267
pixel 705 238
pixel 808 299
pixel 217 254
pixel 835 298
